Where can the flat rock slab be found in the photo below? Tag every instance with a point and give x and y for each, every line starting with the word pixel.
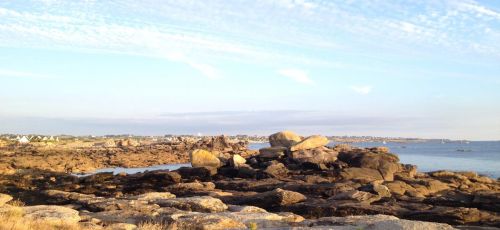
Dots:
pixel 196 204
pixel 373 222
pixel 271 199
pixel 152 196
pixel 51 214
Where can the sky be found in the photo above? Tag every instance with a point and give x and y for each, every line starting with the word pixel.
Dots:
pixel 427 69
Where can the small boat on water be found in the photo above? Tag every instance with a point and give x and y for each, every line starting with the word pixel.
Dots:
pixel 464 150
pixel 384 142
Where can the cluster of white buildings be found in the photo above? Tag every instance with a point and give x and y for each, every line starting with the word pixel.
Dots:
pixel 28 139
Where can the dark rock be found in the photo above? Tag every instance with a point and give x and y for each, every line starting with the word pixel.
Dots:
pixel 455 216
pixel 276 170
pixel 363 175
pixel 262 185
pixel 316 208
pixel 191 188
pixel 320 155
pixel 271 199
pixel 358 196
pixel 385 163
pixel 198 173
pixel 272 153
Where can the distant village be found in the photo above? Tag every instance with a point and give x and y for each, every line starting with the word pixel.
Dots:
pixel 49 139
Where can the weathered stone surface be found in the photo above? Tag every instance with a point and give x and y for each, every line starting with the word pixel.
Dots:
pixel 276 170
pixel 121 226
pixel 246 216
pixel 399 187
pixel 4 198
pixel 197 173
pixel 457 216
pixel 434 186
pixel 51 214
pixel 386 163
pixel 380 149
pixel 204 158
pixel 112 204
pixel 262 185
pixel 244 171
pixel 205 221
pixel 110 143
pixel 381 190
pixel 129 216
pixel 270 199
pixel 363 175
pixel 128 143
pixel 284 139
pixel 342 147
pixel 374 222
pixel 265 220
pixel 197 204
pixel 237 161
pixel 356 195
pixel 408 170
pixel 311 142
pixel 62 197
pixel 192 186
pixel 152 196
pixel 319 155
pixel 272 152
pixel 488 200
pixel 245 209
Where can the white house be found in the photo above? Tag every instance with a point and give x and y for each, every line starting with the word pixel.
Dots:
pixel 24 140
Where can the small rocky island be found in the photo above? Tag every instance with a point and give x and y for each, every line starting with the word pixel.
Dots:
pixel 297 183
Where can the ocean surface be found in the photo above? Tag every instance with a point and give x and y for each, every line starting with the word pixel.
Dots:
pixel 478 156
pixel 117 170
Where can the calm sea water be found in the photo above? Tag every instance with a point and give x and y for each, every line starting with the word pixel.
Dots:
pixel 117 170
pixel 479 156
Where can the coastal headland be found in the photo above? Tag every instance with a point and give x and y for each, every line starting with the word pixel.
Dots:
pixel 297 183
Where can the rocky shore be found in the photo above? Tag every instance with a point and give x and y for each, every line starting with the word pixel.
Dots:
pixel 297 183
pixel 77 156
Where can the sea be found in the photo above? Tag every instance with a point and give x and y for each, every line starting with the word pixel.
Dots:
pixel 482 157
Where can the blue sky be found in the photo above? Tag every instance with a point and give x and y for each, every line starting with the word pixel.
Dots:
pixel 346 67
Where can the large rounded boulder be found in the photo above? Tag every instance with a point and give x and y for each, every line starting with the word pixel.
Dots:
pixel 204 158
pixel 284 139
pixel 311 142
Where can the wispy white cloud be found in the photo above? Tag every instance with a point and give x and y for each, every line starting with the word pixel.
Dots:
pixel 477 9
pixel 91 31
pixel 22 74
pixel 363 90
pixel 304 4
pixel 257 32
pixel 207 70
pixel 297 75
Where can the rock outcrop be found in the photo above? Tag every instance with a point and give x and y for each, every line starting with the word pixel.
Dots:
pixel 204 158
pixel 297 183
pixel 311 142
